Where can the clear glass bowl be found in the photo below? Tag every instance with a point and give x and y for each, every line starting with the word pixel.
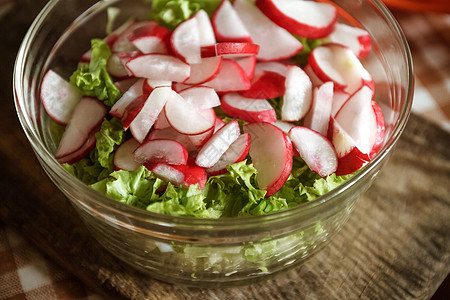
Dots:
pixel 204 252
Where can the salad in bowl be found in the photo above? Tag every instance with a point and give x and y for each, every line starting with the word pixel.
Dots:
pixel 221 140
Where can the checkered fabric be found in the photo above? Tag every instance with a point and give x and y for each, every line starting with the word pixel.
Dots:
pixel 26 274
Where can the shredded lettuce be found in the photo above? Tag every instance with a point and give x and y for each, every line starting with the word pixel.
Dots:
pixel 170 13
pixel 92 78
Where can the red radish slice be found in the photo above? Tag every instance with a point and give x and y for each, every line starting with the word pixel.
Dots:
pixel 204 71
pixel 316 81
pixel 246 109
pixel 308 19
pixel 201 97
pixel 150 84
pixel 206 31
pixel 161 122
pixel 318 116
pixel 285 126
pixel 124 158
pixel 181 175
pixel 161 151
pixel 58 97
pixel 272 66
pixel 339 98
pixel 234 49
pixel 132 110
pixel 275 42
pixel 186 118
pixel 88 145
pixel 168 173
pixel 235 153
pixel 230 78
pixel 357 39
pixel 265 85
pixel 159 66
pixel 247 64
pixel 218 124
pixel 315 149
pixel 88 114
pixel 185 41
pixel 151 38
pixel 337 63
pixel 228 26
pixel 216 146
pixel 132 93
pixel 379 138
pixel 271 153
pixel 122 44
pixel 169 133
pixel 198 140
pixel 154 105
pixel 124 84
pixel 357 118
pixel 298 96
pixel 116 63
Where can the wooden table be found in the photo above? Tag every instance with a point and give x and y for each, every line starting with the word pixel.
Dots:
pixel 396 244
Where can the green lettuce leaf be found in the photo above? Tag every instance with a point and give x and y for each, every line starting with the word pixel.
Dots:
pixel 92 78
pixel 170 13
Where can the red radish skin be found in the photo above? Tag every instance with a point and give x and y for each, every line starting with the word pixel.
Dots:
pixel 198 140
pixel 266 85
pixel 161 151
pixel 204 71
pixel 181 175
pixel 357 39
pixel 271 154
pixel 233 49
pixel 88 114
pixel 150 84
pixel 132 110
pixel 214 148
pixel 308 19
pixel 275 42
pixel 123 44
pixel 88 145
pixel 124 158
pixel 169 133
pixel 159 66
pixel 58 97
pixel 132 93
pixel 237 152
pixel 151 38
pixel 298 95
pixel 315 149
pixel 185 41
pixel 218 124
pixel 153 106
pixel 228 26
pixel 246 109
pixel 318 116
pixel 315 80
pixel 247 63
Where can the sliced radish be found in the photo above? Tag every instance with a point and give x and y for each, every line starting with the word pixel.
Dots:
pixel 198 140
pixel 201 97
pixel 159 66
pixel 357 118
pixel 218 124
pixel 315 149
pixel 123 44
pixel 275 42
pixel 58 97
pixel 379 138
pixel 271 154
pixel 357 39
pixel 124 158
pixel 214 148
pixel 204 71
pixel 150 84
pixel 234 49
pixel 150 38
pixel 272 66
pixel 265 85
pixel 124 84
pixel 228 26
pixel 161 122
pixel 206 31
pixel 181 175
pixel 308 19
pixel 132 93
pixel 246 109
pixel 87 115
pixel 87 146
pixel 230 78
pixel 339 98
pixel 318 116
pixel 116 63
pixel 186 118
pixel 185 41
pixel 316 81
pixel 169 133
pixel 161 151
pixel 247 63
pixel 337 63
pixel 154 105
pixel 132 110
pixel 237 152
pixel 285 126
pixel 298 96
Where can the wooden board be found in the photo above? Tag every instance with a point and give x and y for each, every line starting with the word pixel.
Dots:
pixel 396 244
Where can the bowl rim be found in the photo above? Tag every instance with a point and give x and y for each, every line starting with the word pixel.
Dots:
pixel 156 218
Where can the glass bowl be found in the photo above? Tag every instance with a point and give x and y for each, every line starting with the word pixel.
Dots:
pixel 204 252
